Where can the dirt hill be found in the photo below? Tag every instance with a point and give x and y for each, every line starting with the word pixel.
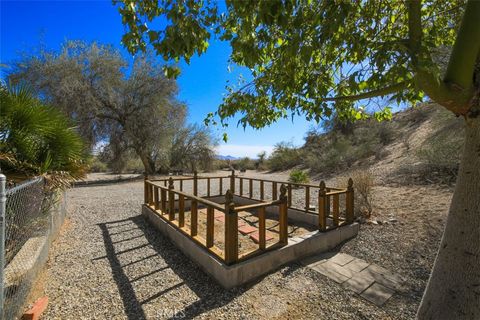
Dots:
pixel 420 145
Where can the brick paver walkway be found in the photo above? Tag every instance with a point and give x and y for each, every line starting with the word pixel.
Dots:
pixel 370 281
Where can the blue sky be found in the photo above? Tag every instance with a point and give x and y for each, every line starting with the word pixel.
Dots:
pixel 202 83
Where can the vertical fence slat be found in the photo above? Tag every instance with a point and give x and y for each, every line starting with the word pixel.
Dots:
pixel 210 227
pixel 181 211
pixel 155 193
pixel 194 218
pixel 336 209
pixel 307 198
pixel 250 187
pixel 261 190
pixel 232 182
pixel 231 229
pixel 195 183
pixel 150 194
pixel 261 228
pixel 181 184
pixel 241 186
pixel 163 200
pixel 220 187
pixel 208 187
pixel 274 190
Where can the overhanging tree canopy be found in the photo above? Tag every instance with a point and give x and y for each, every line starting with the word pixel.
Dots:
pixel 313 57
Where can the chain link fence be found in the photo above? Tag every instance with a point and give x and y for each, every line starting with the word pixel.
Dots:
pixel 32 216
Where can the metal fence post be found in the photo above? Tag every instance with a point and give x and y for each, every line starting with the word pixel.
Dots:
pixel 3 200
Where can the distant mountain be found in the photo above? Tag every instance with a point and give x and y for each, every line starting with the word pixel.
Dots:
pixel 229 157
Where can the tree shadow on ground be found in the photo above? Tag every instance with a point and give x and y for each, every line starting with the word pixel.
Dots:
pixel 210 295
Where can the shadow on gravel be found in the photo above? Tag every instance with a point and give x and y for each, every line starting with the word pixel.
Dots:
pixel 209 295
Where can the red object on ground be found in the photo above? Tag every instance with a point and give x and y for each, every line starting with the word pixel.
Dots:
pixel 256 236
pixel 247 229
pixel 38 307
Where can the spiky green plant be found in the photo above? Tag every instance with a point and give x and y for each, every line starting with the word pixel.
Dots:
pixel 36 139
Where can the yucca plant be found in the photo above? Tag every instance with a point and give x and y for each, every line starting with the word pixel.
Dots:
pixel 36 139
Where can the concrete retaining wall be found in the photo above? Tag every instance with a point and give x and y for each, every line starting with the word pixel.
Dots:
pixel 240 273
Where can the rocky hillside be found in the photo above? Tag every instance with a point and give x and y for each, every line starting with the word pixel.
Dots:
pixel 419 145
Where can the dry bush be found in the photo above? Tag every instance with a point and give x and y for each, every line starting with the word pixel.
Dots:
pixel 363 182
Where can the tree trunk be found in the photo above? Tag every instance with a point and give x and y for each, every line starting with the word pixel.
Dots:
pixel 148 164
pixel 453 290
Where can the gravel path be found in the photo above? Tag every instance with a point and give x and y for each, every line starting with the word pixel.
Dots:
pixel 108 263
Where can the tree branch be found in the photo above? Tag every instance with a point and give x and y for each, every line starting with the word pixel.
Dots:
pixel 466 48
pixel 371 94
pixel 414 29
pixel 438 90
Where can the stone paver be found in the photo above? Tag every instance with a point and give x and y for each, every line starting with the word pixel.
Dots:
pixel 372 282
pixel 255 236
pixel 246 229
pixel 377 294
pixel 358 284
pixel 357 265
pixel 328 272
pixel 341 259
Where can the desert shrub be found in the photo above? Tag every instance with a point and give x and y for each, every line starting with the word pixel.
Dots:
pixel 440 159
pixel 298 176
pixel 245 164
pixel 96 165
pixel 386 133
pixel 363 182
pixel 134 165
pixel 284 156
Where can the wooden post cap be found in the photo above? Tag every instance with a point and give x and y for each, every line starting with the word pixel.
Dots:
pixel 350 184
pixel 283 192
pixel 229 197
pixel 322 187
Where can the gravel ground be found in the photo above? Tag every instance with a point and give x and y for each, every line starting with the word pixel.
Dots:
pixel 108 263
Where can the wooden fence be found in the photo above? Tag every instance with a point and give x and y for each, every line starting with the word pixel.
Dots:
pixel 171 204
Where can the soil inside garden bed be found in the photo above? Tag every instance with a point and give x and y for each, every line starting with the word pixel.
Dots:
pixel 248 225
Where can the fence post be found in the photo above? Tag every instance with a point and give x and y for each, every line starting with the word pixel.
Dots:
pixel 3 201
pixel 195 180
pixel 231 229
pixel 171 200
pixel 322 202
pixel 232 182
pixel 283 216
pixel 350 202
pixel 145 195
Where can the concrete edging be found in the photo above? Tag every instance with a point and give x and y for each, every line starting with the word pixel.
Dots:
pixel 243 272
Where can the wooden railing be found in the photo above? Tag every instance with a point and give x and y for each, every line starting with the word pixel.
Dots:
pixel 168 198
pixel 328 202
pixel 170 204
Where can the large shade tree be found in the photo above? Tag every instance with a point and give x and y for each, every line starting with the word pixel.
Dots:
pixel 132 107
pixel 314 57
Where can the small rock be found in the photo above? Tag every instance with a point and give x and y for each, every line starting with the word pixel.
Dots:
pixel 392 220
